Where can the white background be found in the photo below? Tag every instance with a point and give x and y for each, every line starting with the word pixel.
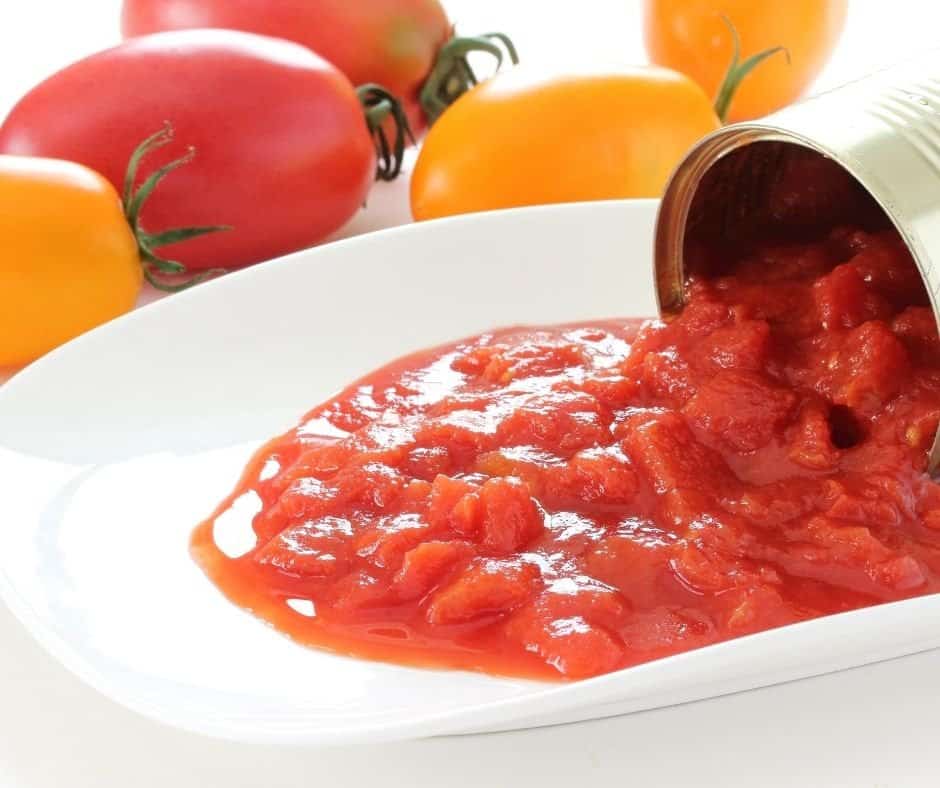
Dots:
pixel 876 727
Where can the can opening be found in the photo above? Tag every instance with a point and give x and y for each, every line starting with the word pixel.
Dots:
pixel 771 191
pixel 766 190
pixel 751 184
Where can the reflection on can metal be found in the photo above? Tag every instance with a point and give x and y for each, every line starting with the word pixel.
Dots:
pixel 884 130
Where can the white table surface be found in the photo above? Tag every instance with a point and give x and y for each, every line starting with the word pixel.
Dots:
pixel 875 727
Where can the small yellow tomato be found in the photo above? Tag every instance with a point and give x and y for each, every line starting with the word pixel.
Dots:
pixel 692 36
pixel 525 138
pixel 68 259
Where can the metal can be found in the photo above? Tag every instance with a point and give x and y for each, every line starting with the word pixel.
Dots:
pixel 883 130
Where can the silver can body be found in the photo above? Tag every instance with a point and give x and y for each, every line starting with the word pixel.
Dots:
pixel 884 130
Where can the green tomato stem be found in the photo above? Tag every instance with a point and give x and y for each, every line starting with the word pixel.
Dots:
pixel 378 106
pixel 134 201
pixel 738 70
pixel 452 75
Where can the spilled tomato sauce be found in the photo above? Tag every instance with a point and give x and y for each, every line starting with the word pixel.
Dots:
pixel 566 501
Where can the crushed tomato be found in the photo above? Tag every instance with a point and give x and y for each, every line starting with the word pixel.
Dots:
pixel 566 501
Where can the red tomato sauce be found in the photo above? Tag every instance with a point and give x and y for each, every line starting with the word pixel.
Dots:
pixel 563 502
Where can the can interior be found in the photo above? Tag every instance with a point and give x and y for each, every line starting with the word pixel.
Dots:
pixel 746 185
pixel 770 191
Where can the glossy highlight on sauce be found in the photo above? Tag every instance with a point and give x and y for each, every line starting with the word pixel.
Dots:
pixel 562 502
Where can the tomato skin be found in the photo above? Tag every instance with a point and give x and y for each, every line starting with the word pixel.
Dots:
pixel 690 36
pixel 283 155
pixel 69 259
pixel 391 42
pixel 522 138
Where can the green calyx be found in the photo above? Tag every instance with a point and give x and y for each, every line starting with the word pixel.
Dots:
pixel 452 75
pixel 378 106
pixel 738 70
pixel 156 267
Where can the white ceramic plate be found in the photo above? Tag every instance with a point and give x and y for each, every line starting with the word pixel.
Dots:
pixel 114 446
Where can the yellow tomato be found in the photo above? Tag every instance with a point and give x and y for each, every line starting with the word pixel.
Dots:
pixel 692 37
pixel 68 259
pixel 524 138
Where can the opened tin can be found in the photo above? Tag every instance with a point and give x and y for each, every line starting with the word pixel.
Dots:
pixel 883 130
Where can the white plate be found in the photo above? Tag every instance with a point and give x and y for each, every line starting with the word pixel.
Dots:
pixel 113 447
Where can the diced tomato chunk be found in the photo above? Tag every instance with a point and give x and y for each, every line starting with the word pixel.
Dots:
pixel 653 336
pixel 846 540
pixel 584 596
pixel 634 560
pixel 548 357
pixel 844 300
pixel 603 476
pixel 704 314
pixel 884 261
pixel 744 345
pixel 374 486
pixel 473 360
pixel 663 446
pixel 903 573
pixel 321 461
pixel 529 464
pixel 358 591
pixel 486 588
pixel 740 410
pixel 573 646
pixel 559 421
pixel 304 499
pixel 427 462
pixel 757 608
pixel 667 378
pixel 465 433
pixel 424 565
pixel 417 491
pixel 871 368
pixel 454 505
pixel 386 543
pixel 704 571
pixel 311 549
pixel 611 388
pixel 811 445
pixel 594 476
pixel 873 511
pixel 773 505
pixel 666 629
pixel 510 517
pixel 916 327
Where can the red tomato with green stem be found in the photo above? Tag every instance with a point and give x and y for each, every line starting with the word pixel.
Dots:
pixel 408 46
pixel 284 147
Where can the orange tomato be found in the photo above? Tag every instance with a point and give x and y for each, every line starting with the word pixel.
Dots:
pixel 691 36
pixel 523 138
pixel 69 259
